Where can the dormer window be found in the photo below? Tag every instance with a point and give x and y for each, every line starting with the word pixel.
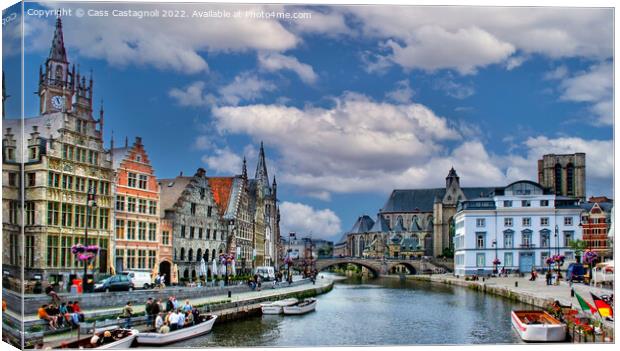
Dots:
pixel 32 152
pixel 139 158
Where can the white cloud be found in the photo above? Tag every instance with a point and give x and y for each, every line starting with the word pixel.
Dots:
pixel 245 87
pixel 467 38
pixel 168 45
pixel 191 95
pixel 274 62
pixel 223 161
pixel 559 72
pixel 402 94
pixel 593 86
pixel 303 219
pixel 454 89
pixel 202 142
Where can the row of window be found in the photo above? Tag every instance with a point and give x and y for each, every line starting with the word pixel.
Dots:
pixel 197 233
pixel 135 230
pixel 135 205
pixel 138 181
pixel 509 259
pixel 526 239
pixel 70 215
pixel 190 255
pixel 69 182
pixel 526 203
pixel 137 259
pixel 525 222
pixel 78 154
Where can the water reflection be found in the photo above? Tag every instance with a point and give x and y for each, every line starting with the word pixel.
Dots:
pixel 378 312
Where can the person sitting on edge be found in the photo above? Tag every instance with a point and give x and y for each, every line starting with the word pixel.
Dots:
pixel 180 320
pixel 189 319
pixel 187 307
pixel 43 315
pixel 196 314
pixel 49 291
pixel 107 337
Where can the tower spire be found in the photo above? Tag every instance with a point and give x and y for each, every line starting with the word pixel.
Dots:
pixel 261 167
pixel 244 170
pixel 58 52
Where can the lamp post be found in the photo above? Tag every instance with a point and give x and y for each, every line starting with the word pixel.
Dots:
pixel 557 241
pixel 90 202
pixel 494 261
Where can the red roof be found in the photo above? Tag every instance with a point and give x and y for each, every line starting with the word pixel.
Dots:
pixel 221 188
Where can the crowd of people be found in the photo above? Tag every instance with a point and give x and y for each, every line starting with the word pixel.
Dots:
pixel 168 316
pixel 67 314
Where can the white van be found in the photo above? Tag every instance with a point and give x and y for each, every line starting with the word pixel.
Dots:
pixel 266 273
pixel 140 279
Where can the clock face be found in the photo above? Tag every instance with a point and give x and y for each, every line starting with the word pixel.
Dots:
pixel 58 102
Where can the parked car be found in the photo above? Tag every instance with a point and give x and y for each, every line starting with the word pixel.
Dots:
pixel 575 272
pixel 115 283
pixel 266 273
pixel 140 279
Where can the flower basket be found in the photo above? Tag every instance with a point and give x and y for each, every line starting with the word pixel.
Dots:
pixel 589 257
pixel 85 253
pixel 497 262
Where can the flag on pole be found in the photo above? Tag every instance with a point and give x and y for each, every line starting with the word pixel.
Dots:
pixel 604 309
pixel 584 304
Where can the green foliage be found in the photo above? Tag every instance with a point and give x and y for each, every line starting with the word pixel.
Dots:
pixel 448 252
pixel 578 246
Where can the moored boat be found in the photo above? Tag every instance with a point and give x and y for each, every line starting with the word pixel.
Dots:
pixel 116 338
pixel 276 307
pixel 538 326
pixel 302 307
pixel 156 339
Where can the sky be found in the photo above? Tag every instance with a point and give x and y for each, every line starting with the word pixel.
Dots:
pixel 351 103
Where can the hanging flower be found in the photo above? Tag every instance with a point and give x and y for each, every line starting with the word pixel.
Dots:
pixel 85 253
pixel 497 262
pixel 549 260
pixel 589 257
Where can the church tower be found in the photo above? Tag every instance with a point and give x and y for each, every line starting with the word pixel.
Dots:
pixel 261 169
pixel 61 89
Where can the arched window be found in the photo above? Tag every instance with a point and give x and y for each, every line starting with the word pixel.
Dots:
pixel 361 247
pixel 59 74
pixel 558 178
pixel 182 254
pixel 570 179
pixel 198 255
pixel 213 253
pixel 206 255
pixel 175 254
pixel 415 241
pixel 190 255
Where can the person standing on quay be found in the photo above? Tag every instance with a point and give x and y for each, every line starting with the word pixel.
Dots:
pixel 127 313
pixel 148 310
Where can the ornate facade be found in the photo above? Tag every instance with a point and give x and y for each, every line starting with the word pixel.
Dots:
pixel 137 224
pixel 596 222
pixel 564 174
pixel 413 222
pixel 197 227
pixel 64 157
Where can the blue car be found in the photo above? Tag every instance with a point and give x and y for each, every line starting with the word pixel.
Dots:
pixel 575 272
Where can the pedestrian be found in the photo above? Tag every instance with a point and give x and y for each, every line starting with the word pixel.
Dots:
pixel 127 313
pixel 196 314
pixel 548 277
pixel 49 291
pixel 148 310
pixel 42 313
pixel 175 302
pixel 159 322
pixel 258 283
pixel 157 280
pixel 187 307
pixel 169 304
pixel 78 310
pixel 162 281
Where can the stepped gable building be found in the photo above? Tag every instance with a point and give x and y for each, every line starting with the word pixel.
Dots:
pixel 197 228
pixel 565 175
pixel 596 224
pixel 138 244
pixel 232 198
pixel 266 221
pixel 64 157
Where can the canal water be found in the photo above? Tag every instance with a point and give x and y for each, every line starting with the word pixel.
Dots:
pixel 377 312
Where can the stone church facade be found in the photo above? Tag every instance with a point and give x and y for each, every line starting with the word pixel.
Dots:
pixel 412 223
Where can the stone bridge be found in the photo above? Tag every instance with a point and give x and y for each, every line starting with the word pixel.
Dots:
pixel 381 266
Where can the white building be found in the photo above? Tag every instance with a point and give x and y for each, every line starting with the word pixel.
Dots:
pixel 522 225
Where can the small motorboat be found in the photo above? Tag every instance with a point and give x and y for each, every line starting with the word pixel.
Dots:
pixel 276 306
pixel 302 307
pixel 157 339
pixel 114 338
pixel 538 326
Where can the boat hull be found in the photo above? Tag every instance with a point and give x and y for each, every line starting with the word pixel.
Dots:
pixel 538 332
pixel 124 343
pixel 271 309
pixel 156 339
pixel 277 307
pixel 300 309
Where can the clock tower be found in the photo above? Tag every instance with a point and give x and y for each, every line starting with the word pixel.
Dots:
pixel 61 89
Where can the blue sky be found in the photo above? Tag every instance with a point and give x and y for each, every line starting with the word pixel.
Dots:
pixel 351 103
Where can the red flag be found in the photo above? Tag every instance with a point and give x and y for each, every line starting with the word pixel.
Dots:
pixel 604 309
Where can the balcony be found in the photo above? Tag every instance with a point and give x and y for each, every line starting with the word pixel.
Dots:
pixel 527 246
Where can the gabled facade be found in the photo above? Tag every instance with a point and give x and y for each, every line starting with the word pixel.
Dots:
pixel 595 223
pixel 137 221
pixel 198 231
pixel 64 157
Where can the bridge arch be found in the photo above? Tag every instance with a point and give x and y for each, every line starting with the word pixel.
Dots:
pixel 324 264
pixel 410 267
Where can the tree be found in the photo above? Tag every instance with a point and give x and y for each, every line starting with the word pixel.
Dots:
pixel 578 246
pixel 448 252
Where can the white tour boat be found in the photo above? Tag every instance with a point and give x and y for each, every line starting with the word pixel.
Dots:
pixel 276 307
pixel 119 338
pixel 156 339
pixel 538 326
pixel 302 307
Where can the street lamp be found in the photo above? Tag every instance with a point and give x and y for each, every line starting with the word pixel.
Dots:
pixel 557 241
pixel 91 199
pixel 495 261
